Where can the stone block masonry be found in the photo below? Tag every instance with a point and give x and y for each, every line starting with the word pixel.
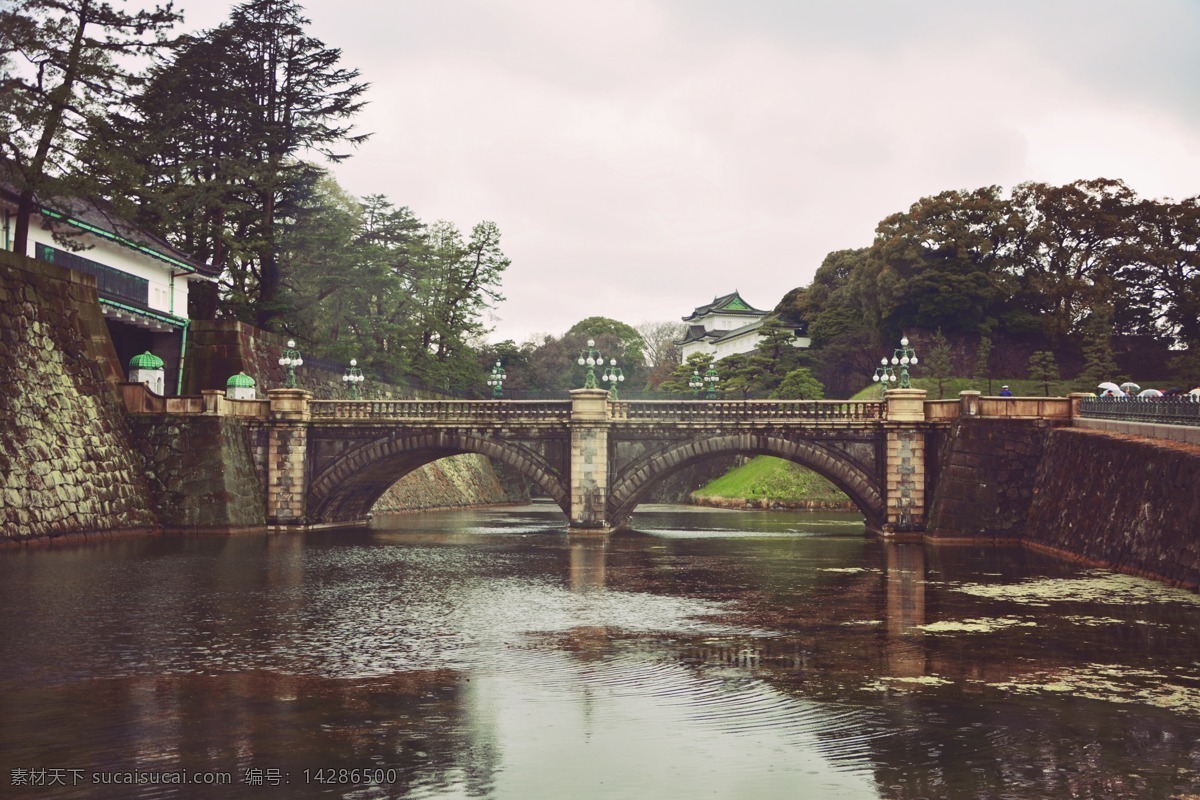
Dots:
pixel 1119 501
pixel 66 461
pixel 987 481
pixel 200 472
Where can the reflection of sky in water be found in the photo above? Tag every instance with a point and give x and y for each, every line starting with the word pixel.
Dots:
pixel 625 728
pixel 593 667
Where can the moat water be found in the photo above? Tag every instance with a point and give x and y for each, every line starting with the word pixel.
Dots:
pixel 488 654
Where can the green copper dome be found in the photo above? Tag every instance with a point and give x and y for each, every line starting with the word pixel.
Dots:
pixel 146 360
pixel 240 381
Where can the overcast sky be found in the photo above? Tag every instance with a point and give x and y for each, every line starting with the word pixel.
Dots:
pixel 644 156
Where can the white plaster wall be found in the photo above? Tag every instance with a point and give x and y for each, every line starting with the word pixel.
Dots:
pixel 110 254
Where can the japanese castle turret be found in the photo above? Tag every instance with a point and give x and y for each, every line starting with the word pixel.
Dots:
pixel 147 368
pixel 240 387
pixel 727 326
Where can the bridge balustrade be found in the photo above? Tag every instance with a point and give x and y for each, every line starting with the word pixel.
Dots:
pixel 457 411
pixel 1161 410
pixel 750 411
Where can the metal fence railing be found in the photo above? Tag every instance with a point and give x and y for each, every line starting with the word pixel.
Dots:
pixel 1183 410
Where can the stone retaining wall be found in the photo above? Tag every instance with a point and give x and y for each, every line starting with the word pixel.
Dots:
pixel 66 462
pixel 200 473
pixel 457 481
pixel 1119 501
pixel 986 476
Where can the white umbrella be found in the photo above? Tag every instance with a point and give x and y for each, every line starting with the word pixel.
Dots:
pixel 1110 387
pixel 1150 393
pixel 1130 387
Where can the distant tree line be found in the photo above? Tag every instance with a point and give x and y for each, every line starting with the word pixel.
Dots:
pixel 1065 270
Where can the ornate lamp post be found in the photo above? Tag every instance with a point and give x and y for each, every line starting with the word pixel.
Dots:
pixel 883 374
pixel 353 378
pixel 496 380
pixel 590 357
pixel 289 361
pixel 711 378
pixel 612 376
pixel 696 383
pixel 904 356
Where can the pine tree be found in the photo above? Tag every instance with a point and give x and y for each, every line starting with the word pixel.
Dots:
pixel 1098 362
pixel 1043 367
pixel 940 363
pixel 64 64
pixel 983 361
pixel 220 131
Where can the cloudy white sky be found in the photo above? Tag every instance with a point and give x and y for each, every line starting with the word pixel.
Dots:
pixel 644 156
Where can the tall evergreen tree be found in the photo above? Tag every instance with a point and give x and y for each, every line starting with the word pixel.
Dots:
pixel 220 132
pixel 1043 368
pixel 1098 362
pixel 940 362
pixel 63 65
pixel 983 360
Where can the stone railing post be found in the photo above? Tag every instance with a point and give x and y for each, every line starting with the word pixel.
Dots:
pixel 287 457
pixel 968 403
pixel 214 401
pixel 905 466
pixel 589 458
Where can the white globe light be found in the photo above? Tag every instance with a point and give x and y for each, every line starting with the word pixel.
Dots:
pixel 591 361
pixel 875 378
pixel 895 360
pixel 591 342
pixel 354 362
pixel 620 377
pixel 581 361
pixel 291 342
pixel 299 361
pixel 904 360
pixel 883 361
pixel 914 360
pixel 904 341
pixel 283 361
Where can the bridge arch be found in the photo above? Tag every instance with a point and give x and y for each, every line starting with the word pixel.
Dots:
pixel 347 488
pixel 630 487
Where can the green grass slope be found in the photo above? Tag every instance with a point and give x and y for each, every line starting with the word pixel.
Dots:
pixel 765 482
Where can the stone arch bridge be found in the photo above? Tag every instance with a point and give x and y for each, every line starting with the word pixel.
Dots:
pixel 326 462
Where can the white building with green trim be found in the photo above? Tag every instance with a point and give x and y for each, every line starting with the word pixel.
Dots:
pixel 725 327
pixel 142 281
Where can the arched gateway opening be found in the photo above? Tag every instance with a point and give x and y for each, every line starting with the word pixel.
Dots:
pixel 347 488
pixel 851 472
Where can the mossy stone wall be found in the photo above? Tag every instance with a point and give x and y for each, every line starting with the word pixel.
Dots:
pixel 66 461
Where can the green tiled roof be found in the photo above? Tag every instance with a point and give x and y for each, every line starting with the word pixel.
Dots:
pixel 146 360
pixel 240 381
pixel 727 304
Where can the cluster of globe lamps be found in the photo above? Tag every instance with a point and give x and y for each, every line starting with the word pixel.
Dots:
pixel 903 357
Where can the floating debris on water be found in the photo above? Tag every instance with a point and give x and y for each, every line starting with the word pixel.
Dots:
pixel 1093 587
pixel 1113 684
pixel 976 625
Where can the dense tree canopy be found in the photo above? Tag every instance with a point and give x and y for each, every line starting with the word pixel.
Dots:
pixel 1047 265
pixel 64 66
